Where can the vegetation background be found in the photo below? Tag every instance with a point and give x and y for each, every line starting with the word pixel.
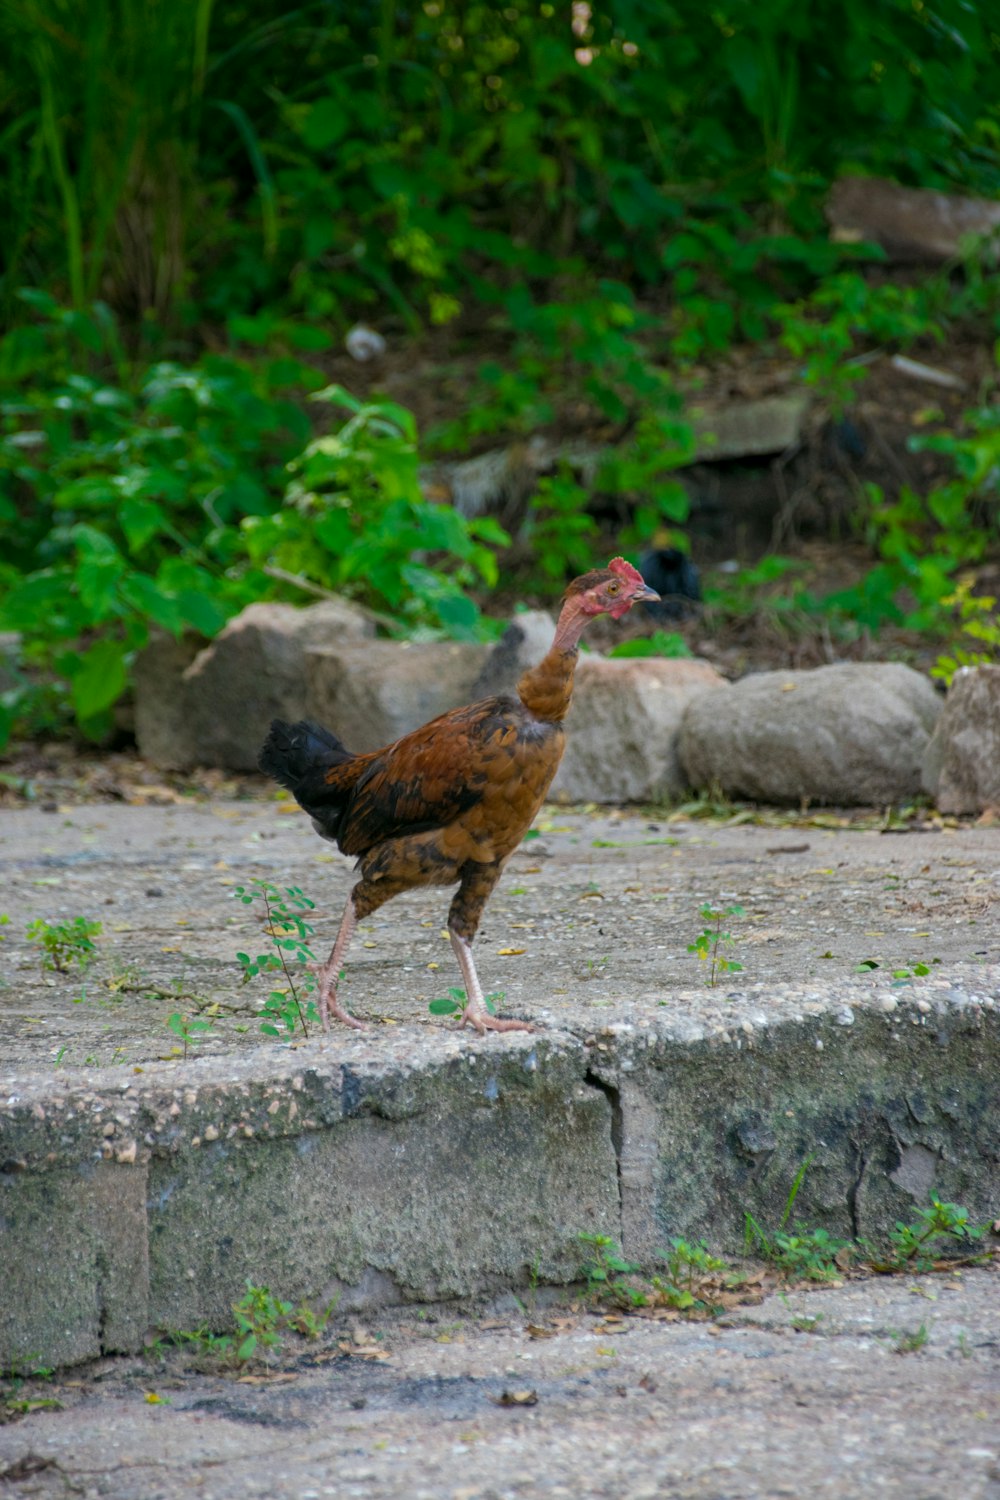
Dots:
pixel 561 217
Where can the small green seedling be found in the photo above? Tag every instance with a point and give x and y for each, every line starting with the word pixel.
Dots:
pixel 913 1342
pixel 688 1265
pixel 64 943
pixel 456 1003
pixel 260 1322
pixel 188 1030
pixel 605 1272
pixel 290 955
pixel 914 1245
pixel 708 942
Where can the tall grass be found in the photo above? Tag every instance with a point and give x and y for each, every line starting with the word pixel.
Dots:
pixel 101 125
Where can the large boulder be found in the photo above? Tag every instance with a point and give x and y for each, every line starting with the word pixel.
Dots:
pixel 372 693
pixel 962 761
pixel 853 734
pixel 621 732
pixel 211 705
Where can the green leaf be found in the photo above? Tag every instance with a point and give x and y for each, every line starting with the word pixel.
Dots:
pixel 99 679
pixel 325 123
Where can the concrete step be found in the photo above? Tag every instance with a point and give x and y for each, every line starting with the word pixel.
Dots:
pixel 411 1162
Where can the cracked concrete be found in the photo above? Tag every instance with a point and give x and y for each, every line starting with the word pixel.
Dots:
pixel 410 1162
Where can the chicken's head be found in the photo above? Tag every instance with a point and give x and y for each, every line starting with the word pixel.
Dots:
pixel 612 590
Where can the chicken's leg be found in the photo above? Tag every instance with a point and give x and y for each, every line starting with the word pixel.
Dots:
pixel 329 973
pixel 475 1013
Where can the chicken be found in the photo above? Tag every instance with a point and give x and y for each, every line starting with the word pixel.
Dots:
pixel 674 577
pixel 449 803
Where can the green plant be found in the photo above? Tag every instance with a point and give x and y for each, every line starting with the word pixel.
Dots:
pixel 661 643
pixel 289 932
pixel 188 1030
pixel 354 519
pixel 688 1267
pixel 802 1253
pixel 977 619
pixel 64 943
pixel 455 1002
pixel 605 1272
pixel 912 1342
pixel 916 1247
pixel 708 942
pixel 260 1322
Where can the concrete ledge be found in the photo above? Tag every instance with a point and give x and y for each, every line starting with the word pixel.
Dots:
pixel 132 1206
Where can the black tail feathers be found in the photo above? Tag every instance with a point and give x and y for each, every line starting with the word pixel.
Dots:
pixel 299 755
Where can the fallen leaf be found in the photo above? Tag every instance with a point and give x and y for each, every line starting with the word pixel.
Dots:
pixel 516 1398
pixel 538 1331
pixel 647 1383
pixel 504 952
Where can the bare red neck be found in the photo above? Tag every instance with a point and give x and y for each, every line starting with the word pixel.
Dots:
pixel 547 690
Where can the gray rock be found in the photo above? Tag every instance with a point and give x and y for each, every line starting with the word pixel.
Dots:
pixel 852 734
pixel 522 645
pixel 162 726
pixel 962 762
pixel 621 733
pixel 913 225
pixel 371 694
pixel 212 706
pixel 742 428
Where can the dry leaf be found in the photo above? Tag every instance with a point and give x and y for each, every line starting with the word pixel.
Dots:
pixel 647 1383
pixel 517 1398
pixel 505 952
pixel 537 1331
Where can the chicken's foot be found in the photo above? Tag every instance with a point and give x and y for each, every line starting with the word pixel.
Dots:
pixel 475 1013
pixel 328 974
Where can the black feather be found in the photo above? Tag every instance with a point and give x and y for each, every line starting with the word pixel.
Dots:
pixel 674 576
pixel 299 757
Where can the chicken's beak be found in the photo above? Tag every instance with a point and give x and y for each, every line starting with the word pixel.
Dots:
pixel 645 596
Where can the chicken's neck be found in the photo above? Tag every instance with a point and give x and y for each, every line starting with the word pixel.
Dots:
pixel 546 690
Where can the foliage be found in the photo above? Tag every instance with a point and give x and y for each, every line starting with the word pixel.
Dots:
pixel 188 1030
pixel 979 622
pixel 199 203
pixel 288 930
pixel 916 1247
pixel 455 1003
pixel 605 1272
pixel 261 1321
pixel 688 1265
pixel 661 643
pixel 803 1253
pixel 708 942
pixel 161 499
pixel 64 943
pixel 364 157
pixel 354 520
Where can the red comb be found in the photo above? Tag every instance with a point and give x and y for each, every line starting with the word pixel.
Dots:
pixel 625 570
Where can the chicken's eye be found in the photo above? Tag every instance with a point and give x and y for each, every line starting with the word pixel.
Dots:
pixel 614 588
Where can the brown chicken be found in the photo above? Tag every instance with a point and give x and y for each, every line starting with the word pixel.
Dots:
pixel 451 801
